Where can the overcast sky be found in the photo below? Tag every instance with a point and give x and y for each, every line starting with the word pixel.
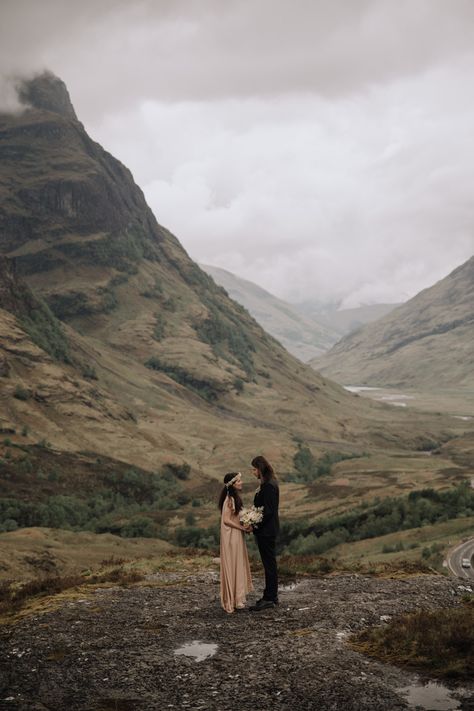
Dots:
pixel 321 148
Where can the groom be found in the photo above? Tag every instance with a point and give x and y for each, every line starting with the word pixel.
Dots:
pixel 268 496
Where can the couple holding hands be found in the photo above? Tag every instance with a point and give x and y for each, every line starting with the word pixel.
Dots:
pixel 236 579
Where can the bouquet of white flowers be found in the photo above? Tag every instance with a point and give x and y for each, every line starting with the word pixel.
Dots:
pixel 252 516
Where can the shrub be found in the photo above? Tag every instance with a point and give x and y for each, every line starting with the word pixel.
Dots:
pixel 21 393
pixel 153 292
pixel 180 471
pixel 308 468
pixel 46 332
pixel 139 528
pixel 88 371
pixel 25 465
pixel 239 385
pixel 8 524
pixel 195 537
pixel 159 328
pixel 207 389
pixel 44 444
pixel 440 642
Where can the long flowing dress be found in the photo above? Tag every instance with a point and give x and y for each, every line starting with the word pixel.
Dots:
pixel 236 579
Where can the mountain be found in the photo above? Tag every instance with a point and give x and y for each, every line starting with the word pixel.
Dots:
pixel 347 320
pixel 425 343
pixel 343 320
pixel 154 361
pixel 130 381
pixel 302 336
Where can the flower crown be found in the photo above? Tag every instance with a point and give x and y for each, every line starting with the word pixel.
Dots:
pixel 230 483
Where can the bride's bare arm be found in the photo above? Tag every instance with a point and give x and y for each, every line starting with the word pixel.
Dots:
pixel 228 520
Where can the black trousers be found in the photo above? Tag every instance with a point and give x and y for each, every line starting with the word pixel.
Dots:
pixel 266 547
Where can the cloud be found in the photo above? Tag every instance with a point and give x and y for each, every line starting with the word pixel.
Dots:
pixel 9 102
pixel 112 53
pixel 321 149
pixel 355 200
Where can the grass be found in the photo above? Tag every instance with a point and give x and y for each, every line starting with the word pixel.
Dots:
pixel 308 565
pixel 407 546
pixel 439 643
pixel 16 595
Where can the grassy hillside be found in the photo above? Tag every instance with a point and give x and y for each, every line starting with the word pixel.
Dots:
pixel 171 366
pixel 425 343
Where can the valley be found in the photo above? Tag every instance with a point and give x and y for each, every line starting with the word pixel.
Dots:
pixel 131 381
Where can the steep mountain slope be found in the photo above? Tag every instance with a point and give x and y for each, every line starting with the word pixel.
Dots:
pixel 427 342
pixel 302 336
pixel 46 390
pixel 164 365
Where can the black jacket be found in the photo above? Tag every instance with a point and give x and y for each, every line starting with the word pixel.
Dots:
pixel 268 496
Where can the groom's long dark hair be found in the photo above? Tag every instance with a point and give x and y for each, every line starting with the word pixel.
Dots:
pixel 264 467
pixel 232 491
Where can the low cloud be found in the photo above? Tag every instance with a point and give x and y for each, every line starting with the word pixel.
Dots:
pixel 356 200
pixel 9 102
pixel 322 150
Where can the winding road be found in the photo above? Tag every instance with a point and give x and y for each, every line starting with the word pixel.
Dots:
pixel 455 557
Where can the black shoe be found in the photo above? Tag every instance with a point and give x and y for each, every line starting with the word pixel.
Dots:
pixel 265 599
pixel 262 605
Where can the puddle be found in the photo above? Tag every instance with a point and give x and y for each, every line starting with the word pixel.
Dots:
pixel 198 650
pixel 431 696
pixel 465 418
pixel 359 388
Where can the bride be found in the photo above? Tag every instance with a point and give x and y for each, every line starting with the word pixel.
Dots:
pixel 236 580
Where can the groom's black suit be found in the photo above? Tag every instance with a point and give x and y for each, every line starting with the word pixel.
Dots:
pixel 268 496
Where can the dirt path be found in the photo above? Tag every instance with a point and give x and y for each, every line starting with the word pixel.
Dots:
pixel 114 651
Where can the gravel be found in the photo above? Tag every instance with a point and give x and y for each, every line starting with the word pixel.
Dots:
pixel 115 650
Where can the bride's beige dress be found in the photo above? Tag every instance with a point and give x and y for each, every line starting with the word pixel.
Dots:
pixel 236 579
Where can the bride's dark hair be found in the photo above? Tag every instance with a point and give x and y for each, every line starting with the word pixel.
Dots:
pixel 232 491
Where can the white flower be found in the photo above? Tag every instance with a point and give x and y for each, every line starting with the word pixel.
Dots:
pixel 252 516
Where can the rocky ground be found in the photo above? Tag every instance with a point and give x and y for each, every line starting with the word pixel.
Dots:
pixel 114 649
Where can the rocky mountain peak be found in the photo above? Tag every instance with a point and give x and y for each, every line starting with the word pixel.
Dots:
pixel 47 92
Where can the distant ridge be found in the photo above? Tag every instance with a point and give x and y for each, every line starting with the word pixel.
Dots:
pixel 348 320
pixel 302 336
